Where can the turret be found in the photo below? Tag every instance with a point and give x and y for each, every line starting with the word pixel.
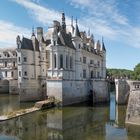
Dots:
pixel 34 41
pixel 18 41
pixel 103 54
pixel 76 31
pixel 39 33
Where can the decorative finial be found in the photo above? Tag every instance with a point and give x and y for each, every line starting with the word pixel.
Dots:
pixel 76 20
pixel 72 21
pixel 63 21
pixel 89 32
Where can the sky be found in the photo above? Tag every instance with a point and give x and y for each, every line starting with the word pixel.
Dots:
pixel 117 21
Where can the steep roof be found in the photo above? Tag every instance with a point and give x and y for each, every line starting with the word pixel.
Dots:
pixel 77 32
pixel 67 40
pixel 27 44
pixel 104 49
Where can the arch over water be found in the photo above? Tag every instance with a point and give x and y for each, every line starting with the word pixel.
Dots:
pixel 4 87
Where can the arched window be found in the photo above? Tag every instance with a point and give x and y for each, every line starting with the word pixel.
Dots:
pixel 71 62
pixel 61 61
pixel 5 64
pixel 14 64
pixel 54 60
pixel 91 74
pixel 67 62
pixel 12 74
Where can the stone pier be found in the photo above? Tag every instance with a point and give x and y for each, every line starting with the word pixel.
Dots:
pixel 122 91
pixel 128 92
pixel 100 91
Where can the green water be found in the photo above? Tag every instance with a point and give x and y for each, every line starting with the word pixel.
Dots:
pixel 79 122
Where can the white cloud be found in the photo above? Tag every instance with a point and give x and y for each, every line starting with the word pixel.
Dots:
pixel 42 14
pixel 102 17
pixel 8 33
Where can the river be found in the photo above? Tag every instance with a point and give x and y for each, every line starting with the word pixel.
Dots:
pixel 77 122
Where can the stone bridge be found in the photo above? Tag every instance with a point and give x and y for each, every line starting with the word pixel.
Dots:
pixel 128 92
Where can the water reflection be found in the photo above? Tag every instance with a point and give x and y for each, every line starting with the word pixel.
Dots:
pixel 70 123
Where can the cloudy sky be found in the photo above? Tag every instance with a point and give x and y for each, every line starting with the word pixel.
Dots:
pixel 118 21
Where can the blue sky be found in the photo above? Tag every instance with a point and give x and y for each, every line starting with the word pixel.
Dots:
pixel 116 20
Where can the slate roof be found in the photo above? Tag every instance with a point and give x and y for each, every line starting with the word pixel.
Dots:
pixel 77 32
pixel 27 44
pixel 67 40
pixel 48 42
pixel 104 49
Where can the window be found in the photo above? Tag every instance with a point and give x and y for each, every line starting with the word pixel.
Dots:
pixel 91 74
pixel 98 74
pixel 19 73
pixel 18 59
pixel 25 73
pixel 14 64
pixel 61 61
pixel 84 60
pixel 84 73
pixel 67 62
pixel 25 59
pixel 71 62
pixel 5 64
pixel 54 43
pixel 8 55
pixel 79 46
pixel 98 64
pixel 91 61
pixel 54 60
pixel 12 74
pixel 5 73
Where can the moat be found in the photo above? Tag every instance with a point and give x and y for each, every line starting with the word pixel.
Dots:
pixel 77 122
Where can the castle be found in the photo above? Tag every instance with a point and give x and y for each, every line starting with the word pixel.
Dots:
pixel 62 63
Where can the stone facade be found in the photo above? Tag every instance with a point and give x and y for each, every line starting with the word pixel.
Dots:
pixel 62 63
pixel 100 91
pixel 133 108
pixel 75 61
pixel 122 91
pixel 8 71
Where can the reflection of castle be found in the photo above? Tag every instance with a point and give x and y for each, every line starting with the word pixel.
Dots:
pixel 70 123
pixel 62 63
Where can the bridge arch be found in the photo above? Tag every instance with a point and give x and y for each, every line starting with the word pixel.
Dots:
pixel 4 86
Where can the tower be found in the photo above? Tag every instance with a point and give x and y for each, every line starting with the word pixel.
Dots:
pixel 77 41
pixel 103 54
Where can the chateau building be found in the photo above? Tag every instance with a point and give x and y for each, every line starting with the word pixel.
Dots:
pixel 8 71
pixel 8 64
pixel 63 63
pixel 75 61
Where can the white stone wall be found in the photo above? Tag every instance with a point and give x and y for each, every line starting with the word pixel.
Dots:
pixel 69 91
pixel 30 90
pixel 65 73
pixel 100 91
pixel 122 91
pixel 54 89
